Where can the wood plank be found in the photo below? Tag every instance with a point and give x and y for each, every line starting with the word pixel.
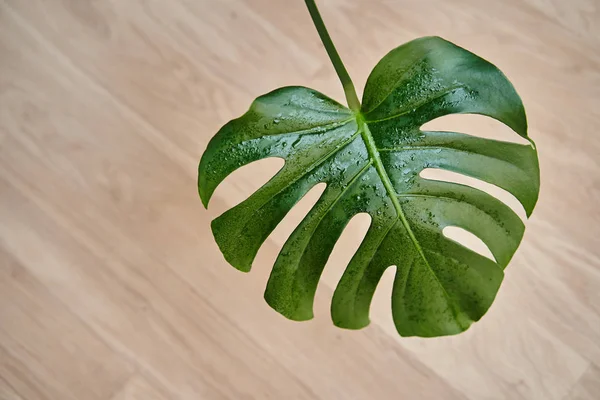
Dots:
pixel 588 386
pixel 7 392
pixel 44 343
pixel 105 108
pixel 140 388
pixel 125 279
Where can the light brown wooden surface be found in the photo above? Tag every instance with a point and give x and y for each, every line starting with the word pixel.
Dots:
pixel 111 286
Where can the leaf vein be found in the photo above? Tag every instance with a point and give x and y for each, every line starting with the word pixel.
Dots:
pixel 395 85
pixel 311 168
pixel 412 107
pixel 316 129
pixel 403 148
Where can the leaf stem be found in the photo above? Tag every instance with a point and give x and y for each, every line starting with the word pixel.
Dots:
pixel 340 69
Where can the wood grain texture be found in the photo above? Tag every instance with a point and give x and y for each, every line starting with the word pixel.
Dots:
pixel 111 286
pixel 588 386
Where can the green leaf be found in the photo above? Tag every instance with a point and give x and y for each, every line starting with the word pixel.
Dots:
pixel 370 161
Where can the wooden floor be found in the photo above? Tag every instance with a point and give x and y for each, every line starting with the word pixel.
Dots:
pixel 111 286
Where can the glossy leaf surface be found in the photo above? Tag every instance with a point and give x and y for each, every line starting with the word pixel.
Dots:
pixel 371 162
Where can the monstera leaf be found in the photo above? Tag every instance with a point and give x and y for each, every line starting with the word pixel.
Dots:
pixel 370 160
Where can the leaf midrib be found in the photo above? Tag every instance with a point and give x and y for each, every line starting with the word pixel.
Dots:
pixel 373 152
pixel 365 133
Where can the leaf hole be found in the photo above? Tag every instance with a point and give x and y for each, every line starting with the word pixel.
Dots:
pixel 285 228
pixel 475 125
pixel 244 181
pixel 343 251
pixel 469 240
pixel 380 311
pixel 493 190
pixel 297 214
